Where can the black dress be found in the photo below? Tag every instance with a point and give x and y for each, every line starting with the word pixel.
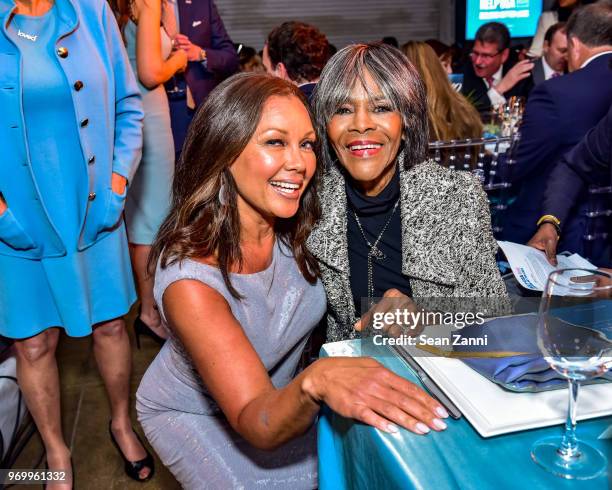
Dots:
pixel 373 213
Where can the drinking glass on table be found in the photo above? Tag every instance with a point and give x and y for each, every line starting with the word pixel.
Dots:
pixel 575 337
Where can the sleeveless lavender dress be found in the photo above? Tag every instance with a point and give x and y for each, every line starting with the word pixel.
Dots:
pixel 181 420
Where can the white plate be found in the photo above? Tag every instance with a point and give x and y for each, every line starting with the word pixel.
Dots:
pixel 489 408
pixel 493 411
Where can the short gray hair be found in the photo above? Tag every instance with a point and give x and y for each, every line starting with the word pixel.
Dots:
pixel 398 80
pixel 592 24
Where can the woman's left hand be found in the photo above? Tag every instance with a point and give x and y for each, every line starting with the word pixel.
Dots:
pixel 392 302
pixel 118 184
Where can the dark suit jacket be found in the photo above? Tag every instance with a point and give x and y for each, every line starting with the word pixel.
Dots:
pixel 200 21
pixel 538 72
pixel 475 88
pixel 307 90
pixel 588 163
pixel 559 113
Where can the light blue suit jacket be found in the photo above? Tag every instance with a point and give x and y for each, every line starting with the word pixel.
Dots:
pixel 109 116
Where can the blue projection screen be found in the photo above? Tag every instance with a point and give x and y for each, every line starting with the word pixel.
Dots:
pixel 520 16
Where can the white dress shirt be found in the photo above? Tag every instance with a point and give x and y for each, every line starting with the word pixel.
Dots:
pixel 494 96
pixel 548 71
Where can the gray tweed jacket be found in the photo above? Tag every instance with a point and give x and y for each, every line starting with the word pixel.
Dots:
pixel 448 249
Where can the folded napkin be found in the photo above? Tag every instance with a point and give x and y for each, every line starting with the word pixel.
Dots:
pixel 527 372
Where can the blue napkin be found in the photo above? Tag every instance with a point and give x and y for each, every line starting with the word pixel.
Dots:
pixel 528 372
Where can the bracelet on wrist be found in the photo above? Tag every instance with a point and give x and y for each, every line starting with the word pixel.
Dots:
pixel 553 220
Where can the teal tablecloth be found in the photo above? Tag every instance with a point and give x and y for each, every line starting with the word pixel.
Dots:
pixel 357 456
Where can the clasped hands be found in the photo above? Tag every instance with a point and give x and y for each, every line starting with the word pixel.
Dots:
pixel 181 41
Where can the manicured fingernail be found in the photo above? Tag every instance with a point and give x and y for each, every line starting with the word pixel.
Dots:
pixel 392 429
pixel 442 413
pixel 421 428
pixel 439 424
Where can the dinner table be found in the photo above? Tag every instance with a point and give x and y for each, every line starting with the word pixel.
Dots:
pixel 353 455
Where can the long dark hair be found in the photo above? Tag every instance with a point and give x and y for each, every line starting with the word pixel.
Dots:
pixel 398 80
pixel 123 11
pixel 201 223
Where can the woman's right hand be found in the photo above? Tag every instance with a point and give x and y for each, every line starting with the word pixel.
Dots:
pixel 362 389
pixel 3 206
pixel 182 59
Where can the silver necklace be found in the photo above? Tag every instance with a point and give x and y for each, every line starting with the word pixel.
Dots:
pixel 374 252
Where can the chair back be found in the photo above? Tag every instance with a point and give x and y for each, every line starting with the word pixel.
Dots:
pixel 490 159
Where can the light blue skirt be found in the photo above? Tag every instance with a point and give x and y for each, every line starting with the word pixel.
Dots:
pixel 74 292
pixel 148 200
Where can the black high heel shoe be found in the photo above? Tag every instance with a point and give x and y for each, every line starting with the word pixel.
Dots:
pixel 141 328
pixel 133 468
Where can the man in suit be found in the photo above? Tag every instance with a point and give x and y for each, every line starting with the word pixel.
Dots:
pixel 559 113
pixel 211 55
pixel 296 52
pixel 553 62
pixel 491 77
pixel 588 163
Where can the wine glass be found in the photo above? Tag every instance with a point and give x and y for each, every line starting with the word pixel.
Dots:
pixel 575 337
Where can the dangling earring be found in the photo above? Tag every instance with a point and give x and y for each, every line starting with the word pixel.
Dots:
pixel 223 194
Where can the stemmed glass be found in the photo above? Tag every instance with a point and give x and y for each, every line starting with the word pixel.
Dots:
pixel 575 337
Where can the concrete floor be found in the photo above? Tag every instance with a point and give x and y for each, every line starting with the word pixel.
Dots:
pixel 85 416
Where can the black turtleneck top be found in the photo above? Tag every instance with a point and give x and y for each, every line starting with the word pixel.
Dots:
pixel 373 213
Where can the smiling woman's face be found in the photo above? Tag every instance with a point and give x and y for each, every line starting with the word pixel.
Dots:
pixel 273 171
pixel 366 134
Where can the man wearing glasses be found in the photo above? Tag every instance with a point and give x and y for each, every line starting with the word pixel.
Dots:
pixel 491 78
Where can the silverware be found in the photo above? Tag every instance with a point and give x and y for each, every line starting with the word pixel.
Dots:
pixel 428 383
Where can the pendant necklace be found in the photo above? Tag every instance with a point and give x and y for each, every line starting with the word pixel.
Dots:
pixel 374 252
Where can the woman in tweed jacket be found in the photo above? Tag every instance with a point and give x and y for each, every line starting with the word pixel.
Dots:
pixel 432 234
